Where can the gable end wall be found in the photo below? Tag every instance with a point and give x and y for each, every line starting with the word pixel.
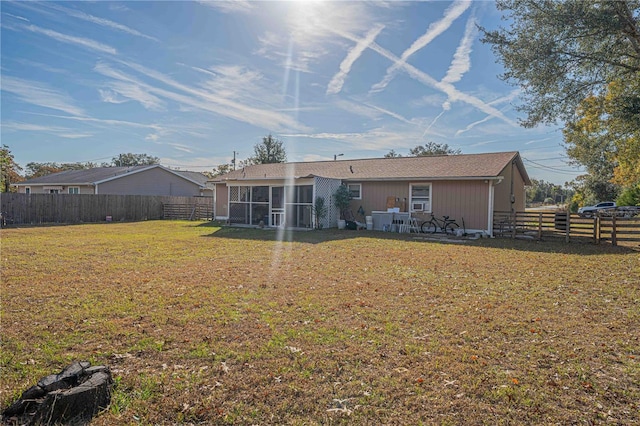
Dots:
pixel 154 181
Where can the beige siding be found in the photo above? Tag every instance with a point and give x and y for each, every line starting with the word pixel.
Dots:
pixel 39 189
pixel 154 181
pixel 456 199
pixel 503 190
pixel 468 200
pixel 374 196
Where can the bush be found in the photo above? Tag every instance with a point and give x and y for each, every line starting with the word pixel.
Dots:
pixel 341 199
pixel 630 196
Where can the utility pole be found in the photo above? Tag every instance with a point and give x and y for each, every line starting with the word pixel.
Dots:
pixel 234 159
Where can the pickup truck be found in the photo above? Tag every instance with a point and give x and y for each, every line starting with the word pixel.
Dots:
pixel 590 211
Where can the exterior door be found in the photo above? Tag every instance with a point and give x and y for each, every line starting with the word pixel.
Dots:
pixel 277 216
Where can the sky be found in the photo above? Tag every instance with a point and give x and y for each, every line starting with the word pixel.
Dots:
pixel 192 82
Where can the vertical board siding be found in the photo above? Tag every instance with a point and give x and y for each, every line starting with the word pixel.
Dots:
pixel 151 182
pixel 374 195
pixel 460 200
pixel 79 208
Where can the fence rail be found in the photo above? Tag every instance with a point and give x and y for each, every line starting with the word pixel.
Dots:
pixel 20 209
pixel 539 225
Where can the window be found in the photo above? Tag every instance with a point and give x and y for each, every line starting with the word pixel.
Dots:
pixel 27 190
pixel 52 189
pixel 420 197
pixel 74 190
pixel 355 189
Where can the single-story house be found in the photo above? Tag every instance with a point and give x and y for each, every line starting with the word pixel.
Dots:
pixel 468 187
pixel 134 180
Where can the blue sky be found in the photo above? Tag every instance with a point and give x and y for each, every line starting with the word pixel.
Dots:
pixel 191 82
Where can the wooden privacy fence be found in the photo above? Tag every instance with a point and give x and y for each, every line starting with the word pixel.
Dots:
pixel 88 208
pixel 188 211
pixel 539 225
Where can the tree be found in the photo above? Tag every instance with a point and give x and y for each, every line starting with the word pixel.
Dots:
pixel 578 61
pixel 341 199
pixel 630 196
pixel 561 53
pixel 222 169
pixel 541 190
pixel 432 148
pixel 130 159
pixel 34 170
pixel 271 150
pixel 9 169
pixel 605 137
pixel 392 154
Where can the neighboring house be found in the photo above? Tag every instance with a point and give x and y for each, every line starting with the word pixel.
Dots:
pixel 465 187
pixel 135 180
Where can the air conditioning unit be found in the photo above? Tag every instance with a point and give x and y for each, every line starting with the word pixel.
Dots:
pixel 417 207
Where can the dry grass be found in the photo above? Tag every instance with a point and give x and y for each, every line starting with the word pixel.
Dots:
pixel 210 325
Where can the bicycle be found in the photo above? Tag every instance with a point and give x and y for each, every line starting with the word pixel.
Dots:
pixel 446 225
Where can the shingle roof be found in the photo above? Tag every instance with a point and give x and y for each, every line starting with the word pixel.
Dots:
pixel 100 174
pixel 430 167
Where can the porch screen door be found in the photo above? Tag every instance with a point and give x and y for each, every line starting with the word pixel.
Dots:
pixel 277 206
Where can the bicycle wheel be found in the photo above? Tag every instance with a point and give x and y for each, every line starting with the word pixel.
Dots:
pixel 428 227
pixel 451 228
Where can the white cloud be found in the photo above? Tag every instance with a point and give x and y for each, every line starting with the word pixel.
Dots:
pixel 181 147
pixel 305 38
pixel 287 53
pixel 62 132
pixel 336 83
pixel 232 96
pixel 448 89
pixel 461 59
pixel 17 17
pixel 498 101
pixel 111 97
pixel 40 94
pixel 452 13
pixel 75 135
pixel 78 41
pixel 101 21
pixel 229 6
pixel 139 94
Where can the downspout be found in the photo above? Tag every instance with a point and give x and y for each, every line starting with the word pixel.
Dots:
pixel 512 196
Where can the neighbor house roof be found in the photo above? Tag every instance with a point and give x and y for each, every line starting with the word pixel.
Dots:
pixel 464 166
pixel 99 175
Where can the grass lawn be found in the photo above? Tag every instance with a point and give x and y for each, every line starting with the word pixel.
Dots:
pixel 209 325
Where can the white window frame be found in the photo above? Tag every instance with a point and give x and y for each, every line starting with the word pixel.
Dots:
pixel 359 185
pixel 27 190
pixel 427 202
pixel 77 190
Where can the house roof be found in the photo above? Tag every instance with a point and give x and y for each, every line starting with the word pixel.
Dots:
pixel 441 167
pixel 99 175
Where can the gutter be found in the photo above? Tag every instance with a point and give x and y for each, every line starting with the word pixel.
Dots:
pixel 371 179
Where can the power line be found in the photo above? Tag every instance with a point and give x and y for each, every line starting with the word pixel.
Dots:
pixel 553 169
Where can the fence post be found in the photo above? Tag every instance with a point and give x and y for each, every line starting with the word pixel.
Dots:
pixel 614 241
pixel 596 229
pixel 568 227
pixel 539 226
pixel 513 228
